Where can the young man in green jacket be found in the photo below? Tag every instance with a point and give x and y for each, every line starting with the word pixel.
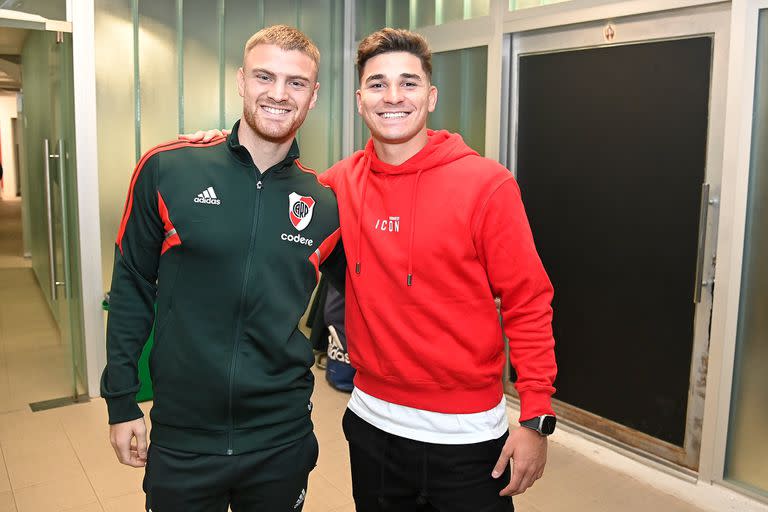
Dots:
pixel 225 240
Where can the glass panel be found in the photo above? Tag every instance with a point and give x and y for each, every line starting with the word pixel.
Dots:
pixel 320 136
pixel 201 66
pixel 72 305
pixel 114 118
pixel 49 116
pixel 34 61
pixel 461 77
pixel 51 9
pixel 242 19
pixel 283 11
pixel 371 15
pixel 747 450
pixel 158 71
pixel 524 4
pixel 422 13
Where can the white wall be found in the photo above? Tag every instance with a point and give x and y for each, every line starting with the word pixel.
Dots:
pixel 8 111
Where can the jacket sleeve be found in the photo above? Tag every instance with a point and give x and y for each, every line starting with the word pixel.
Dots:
pixel 133 292
pixel 334 268
pixel 516 275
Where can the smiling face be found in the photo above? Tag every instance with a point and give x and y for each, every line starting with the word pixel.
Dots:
pixel 395 99
pixel 278 88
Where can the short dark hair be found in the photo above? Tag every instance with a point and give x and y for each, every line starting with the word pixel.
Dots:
pixel 389 40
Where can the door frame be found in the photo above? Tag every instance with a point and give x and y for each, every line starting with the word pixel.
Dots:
pixel 730 250
pixel 708 20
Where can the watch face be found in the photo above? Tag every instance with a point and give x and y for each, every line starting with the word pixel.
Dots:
pixel 548 425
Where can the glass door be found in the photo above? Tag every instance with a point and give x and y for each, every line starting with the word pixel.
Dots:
pixel 616 140
pixel 49 144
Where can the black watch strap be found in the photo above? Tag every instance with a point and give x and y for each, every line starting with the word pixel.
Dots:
pixel 544 424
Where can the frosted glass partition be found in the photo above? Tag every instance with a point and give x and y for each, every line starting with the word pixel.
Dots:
pixel 158 73
pixel 371 15
pixel 115 121
pixel 49 142
pixel 201 85
pixel 242 19
pixel 747 450
pixel 187 55
pixel 320 136
pixel 36 123
pixel 461 77
pixel 423 13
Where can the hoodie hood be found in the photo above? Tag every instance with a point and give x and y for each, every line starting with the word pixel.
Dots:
pixel 442 147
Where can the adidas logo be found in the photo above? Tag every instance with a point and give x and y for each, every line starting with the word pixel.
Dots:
pixel 301 498
pixel 207 196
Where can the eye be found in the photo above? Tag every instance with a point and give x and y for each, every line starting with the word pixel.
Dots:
pixel 376 85
pixel 263 77
pixel 297 84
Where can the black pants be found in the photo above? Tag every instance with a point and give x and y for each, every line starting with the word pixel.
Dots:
pixel 391 473
pixel 273 480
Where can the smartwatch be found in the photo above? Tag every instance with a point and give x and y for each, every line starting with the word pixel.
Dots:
pixel 544 424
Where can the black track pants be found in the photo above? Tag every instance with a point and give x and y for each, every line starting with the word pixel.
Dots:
pixel 392 473
pixel 273 480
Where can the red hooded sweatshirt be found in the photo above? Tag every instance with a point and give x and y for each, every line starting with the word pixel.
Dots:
pixel 429 244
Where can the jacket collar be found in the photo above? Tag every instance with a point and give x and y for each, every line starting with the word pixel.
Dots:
pixel 241 153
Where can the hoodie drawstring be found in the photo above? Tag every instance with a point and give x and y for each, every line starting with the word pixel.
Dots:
pixel 409 280
pixel 366 172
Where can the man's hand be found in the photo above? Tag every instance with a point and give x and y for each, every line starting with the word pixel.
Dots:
pixel 528 451
pixel 129 440
pixel 201 136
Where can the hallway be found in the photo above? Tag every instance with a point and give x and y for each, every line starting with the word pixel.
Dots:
pixel 34 366
pixel 60 460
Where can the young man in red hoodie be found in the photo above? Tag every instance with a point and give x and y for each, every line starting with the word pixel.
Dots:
pixel 433 232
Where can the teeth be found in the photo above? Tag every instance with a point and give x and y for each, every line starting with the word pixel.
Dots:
pixel 273 110
pixel 393 115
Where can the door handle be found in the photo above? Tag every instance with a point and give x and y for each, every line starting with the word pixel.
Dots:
pixel 51 260
pixel 48 203
pixel 703 211
pixel 64 218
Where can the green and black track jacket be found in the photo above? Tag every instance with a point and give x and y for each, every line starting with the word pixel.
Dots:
pixel 230 257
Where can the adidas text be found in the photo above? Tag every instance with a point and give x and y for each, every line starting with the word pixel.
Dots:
pixel 207 200
pixel 208 196
pixel 297 239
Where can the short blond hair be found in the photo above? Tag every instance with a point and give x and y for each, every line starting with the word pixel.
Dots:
pixel 286 38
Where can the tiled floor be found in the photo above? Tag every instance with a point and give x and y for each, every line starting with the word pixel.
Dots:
pixel 61 460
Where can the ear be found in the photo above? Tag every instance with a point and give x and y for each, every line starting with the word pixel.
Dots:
pixel 314 96
pixel 359 99
pixel 432 98
pixel 241 82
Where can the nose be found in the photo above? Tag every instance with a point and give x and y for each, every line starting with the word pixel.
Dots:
pixel 394 94
pixel 278 91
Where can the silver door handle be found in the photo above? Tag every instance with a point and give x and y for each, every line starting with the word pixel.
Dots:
pixel 64 218
pixel 703 210
pixel 51 257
